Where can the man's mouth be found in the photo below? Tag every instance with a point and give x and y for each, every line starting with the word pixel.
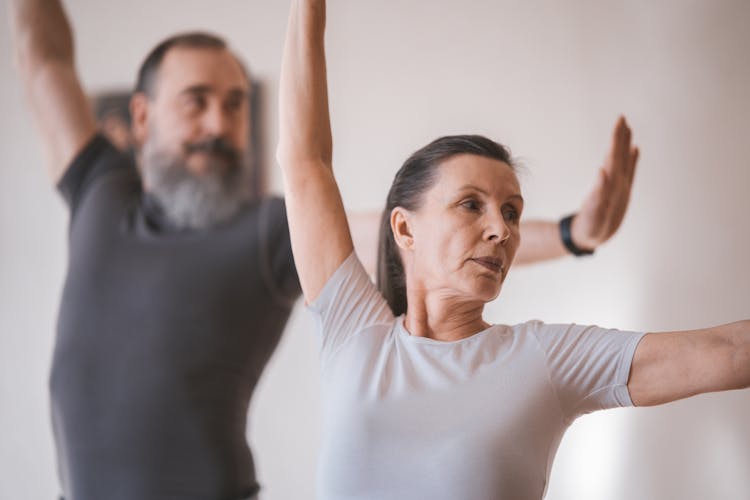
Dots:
pixel 216 147
pixel 491 263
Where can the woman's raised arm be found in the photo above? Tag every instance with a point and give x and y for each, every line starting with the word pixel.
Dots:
pixel 317 222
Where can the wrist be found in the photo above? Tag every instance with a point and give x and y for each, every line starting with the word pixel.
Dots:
pixel 566 235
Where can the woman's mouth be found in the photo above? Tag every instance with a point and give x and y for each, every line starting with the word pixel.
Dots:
pixel 491 263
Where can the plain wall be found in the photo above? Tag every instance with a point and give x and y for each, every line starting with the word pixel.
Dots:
pixel 549 79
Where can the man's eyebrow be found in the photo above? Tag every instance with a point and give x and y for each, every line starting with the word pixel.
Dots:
pixel 197 89
pixel 239 92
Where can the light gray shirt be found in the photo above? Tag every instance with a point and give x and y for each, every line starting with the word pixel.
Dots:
pixel 410 418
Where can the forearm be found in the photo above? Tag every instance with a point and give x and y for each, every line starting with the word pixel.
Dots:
pixel 737 335
pixel 41 33
pixel 540 241
pixel 305 130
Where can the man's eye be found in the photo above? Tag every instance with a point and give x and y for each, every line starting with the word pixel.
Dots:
pixel 195 101
pixel 234 104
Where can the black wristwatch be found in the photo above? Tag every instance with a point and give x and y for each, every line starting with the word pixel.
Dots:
pixel 567 237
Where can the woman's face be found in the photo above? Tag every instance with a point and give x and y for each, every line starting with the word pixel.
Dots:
pixel 465 234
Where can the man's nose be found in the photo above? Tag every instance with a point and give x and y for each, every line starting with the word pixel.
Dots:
pixel 216 121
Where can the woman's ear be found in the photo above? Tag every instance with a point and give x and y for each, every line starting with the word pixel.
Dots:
pixel 401 227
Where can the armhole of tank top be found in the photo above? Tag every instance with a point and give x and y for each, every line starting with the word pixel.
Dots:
pixel 264 255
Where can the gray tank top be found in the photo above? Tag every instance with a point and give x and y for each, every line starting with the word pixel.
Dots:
pixel 161 338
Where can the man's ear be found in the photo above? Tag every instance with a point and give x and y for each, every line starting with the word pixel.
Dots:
pixel 139 110
pixel 401 227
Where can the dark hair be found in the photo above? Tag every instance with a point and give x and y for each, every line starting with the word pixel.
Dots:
pixel 414 178
pixel 194 40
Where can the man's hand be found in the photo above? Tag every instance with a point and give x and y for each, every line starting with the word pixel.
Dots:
pixel 604 208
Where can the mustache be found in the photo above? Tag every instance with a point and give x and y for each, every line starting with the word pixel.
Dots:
pixel 216 146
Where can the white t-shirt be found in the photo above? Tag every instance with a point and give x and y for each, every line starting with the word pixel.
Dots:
pixel 479 418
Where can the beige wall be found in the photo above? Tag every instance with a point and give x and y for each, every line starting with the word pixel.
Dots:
pixel 546 77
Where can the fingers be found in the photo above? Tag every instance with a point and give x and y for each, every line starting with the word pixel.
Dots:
pixel 604 208
pixel 615 149
pixel 623 155
pixel 634 154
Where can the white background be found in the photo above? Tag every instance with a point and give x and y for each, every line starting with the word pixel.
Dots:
pixel 548 78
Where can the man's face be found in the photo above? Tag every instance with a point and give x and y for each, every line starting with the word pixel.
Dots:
pixel 195 136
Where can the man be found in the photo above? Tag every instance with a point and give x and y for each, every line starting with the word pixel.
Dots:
pixel 180 281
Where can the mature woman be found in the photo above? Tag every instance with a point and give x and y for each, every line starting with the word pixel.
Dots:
pixel 422 397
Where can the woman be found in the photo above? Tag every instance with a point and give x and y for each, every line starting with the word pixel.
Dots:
pixel 422 397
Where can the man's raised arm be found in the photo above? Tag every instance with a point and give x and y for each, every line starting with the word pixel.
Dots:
pixel 44 52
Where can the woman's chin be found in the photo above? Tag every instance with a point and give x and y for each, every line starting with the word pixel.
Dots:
pixel 488 292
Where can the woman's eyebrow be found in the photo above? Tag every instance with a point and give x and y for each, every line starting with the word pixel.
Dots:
pixel 472 187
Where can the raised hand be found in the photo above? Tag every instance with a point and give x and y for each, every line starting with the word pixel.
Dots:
pixel 604 208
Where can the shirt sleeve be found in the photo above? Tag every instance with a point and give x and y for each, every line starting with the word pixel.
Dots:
pixel 348 303
pixel 96 158
pixel 277 261
pixel 588 366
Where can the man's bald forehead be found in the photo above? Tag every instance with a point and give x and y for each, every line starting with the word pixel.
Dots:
pixel 149 70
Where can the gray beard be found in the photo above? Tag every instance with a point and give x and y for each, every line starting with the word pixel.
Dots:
pixel 195 202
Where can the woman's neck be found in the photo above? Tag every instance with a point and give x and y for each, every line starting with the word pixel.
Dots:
pixel 437 316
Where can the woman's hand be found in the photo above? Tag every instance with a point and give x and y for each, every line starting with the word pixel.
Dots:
pixel 604 208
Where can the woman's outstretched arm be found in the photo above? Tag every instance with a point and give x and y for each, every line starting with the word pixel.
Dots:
pixel 675 365
pixel 317 222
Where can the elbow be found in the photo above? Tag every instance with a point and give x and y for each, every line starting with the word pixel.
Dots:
pixel 292 158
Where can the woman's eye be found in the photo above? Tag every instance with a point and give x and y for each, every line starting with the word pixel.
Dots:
pixel 511 215
pixel 470 204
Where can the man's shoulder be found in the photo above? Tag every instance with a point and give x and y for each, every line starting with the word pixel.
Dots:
pixel 99 159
